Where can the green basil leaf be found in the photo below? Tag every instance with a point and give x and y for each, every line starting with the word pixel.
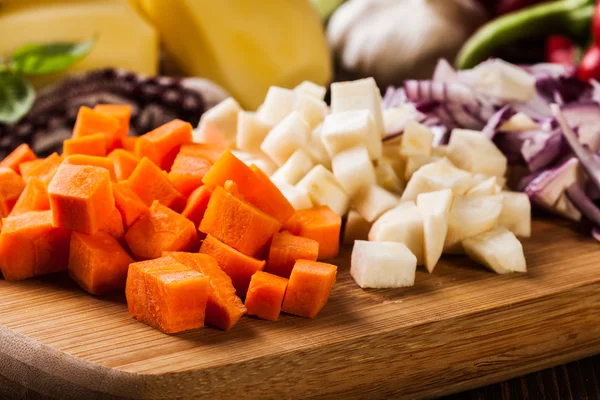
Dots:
pixel 16 97
pixel 39 59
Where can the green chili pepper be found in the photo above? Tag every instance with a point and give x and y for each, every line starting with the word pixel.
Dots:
pixel 570 18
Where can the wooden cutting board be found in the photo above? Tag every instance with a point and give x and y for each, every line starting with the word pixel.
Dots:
pixel 458 328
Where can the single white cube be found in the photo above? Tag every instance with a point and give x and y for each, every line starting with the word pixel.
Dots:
pixel 356 228
pixel 325 190
pixel 516 213
pixel 417 139
pixel 353 169
pixel 414 162
pixel 395 118
pixel 382 265
pixel 498 249
pixel 220 120
pixel 251 131
pixel 362 94
pixel 372 201
pixel 437 176
pixel 386 177
pixel 294 169
pixel 311 89
pixel 313 110
pixel 348 129
pixel 291 134
pixel 278 104
pixel 298 197
pixel 316 149
pixel 434 207
pixel 474 152
pixel 488 187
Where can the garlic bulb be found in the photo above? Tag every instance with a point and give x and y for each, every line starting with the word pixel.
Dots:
pixel 396 39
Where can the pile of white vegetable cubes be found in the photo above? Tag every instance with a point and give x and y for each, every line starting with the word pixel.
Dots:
pixel 407 201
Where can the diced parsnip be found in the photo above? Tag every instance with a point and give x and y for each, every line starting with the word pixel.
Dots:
pixel 417 139
pixel 473 151
pixel 501 80
pixel 498 249
pixel 565 208
pixel 382 265
pixel 413 163
pixel 470 216
pixel 372 201
pixel 391 153
pixel 221 120
pixel 298 197
pixel 278 104
pixel 362 94
pixel 489 187
pixel 313 110
pixel 437 176
pixel 353 169
pixel 316 149
pixel 518 123
pixel 311 89
pixel 516 213
pixel 434 207
pixel 386 177
pixel 251 131
pixel 402 224
pixel 343 130
pixel 439 151
pixel 294 169
pixel 357 228
pixel 291 134
pixel 325 190
pixel 395 118
pixel 259 159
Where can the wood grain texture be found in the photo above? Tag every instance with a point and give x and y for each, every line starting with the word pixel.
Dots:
pixel 459 328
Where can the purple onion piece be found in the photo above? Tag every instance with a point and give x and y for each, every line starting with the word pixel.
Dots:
pixel 499 118
pixel 583 203
pixel 543 149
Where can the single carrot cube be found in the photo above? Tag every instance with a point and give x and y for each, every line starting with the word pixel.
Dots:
pixel 33 198
pixel 150 183
pixel 210 152
pixel 92 145
pixel 98 263
pixel 308 288
pixel 187 172
pixel 122 113
pixel 162 229
pixel 265 295
pixel 162 144
pixel 238 224
pixel 18 156
pixel 286 249
pixel 113 224
pixel 129 143
pixel 81 197
pixel 196 205
pixel 238 266
pixel 102 162
pixel 223 308
pixel 11 187
pixel 90 122
pixel 124 163
pixel 43 168
pixel 254 186
pixel 320 224
pixel 175 295
pixel 30 246
pixel 130 206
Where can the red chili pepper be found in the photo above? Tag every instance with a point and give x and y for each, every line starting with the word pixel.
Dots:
pixel 589 66
pixel 560 50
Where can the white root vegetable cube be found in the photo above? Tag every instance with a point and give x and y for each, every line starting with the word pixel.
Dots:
pixel 417 139
pixel 434 207
pixel 251 131
pixel 362 94
pixel 473 151
pixel 311 89
pixel 439 151
pixel 353 169
pixel 343 130
pixel 437 176
pixel 391 154
pixel 386 177
pixel 294 169
pixel 382 265
pixel 325 190
pixel 316 149
pixel 516 213
pixel 357 228
pixel 470 216
pixel 518 123
pixel 298 197
pixel 278 104
pixel 313 110
pixel 220 120
pixel 498 249
pixel 488 187
pixel 394 119
pixel 413 163
pixel 402 224
pixel 372 201
pixel 291 134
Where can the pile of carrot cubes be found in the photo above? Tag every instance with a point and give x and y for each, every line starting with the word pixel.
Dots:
pixel 185 229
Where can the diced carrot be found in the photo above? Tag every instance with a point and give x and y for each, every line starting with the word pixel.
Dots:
pixel 92 145
pixel 102 162
pixel 224 308
pixel 90 122
pixel 43 168
pixel 150 184
pixel 320 224
pixel 238 224
pixel 81 197
pixel 11 187
pixel 124 163
pixel 19 155
pixel 162 144
pixel 187 172
pixel 98 263
pixel 162 229
pixel 33 198
pixel 238 266
pixel 196 205
pixel 210 152
pixel 31 246
pixel 113 224
pixel 128 203
pixel 122 113
pixel 265 295
pixel 129 143
pixel 254 186
pixel 308 288
pixel 174 298
pixel 286 249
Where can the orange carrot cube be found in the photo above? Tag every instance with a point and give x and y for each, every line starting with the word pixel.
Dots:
pixel 150 183
pixel 122 113
pixel 102 162
pixel 135 289
pixel 11 187
pixel 187 172
pixel 162 144
pixel 129 143
pixel 113 224
pixel 43 168
pixel 286 249
pixel 81 197
pixel 92 145
pixel 196 205
pixel 33 198
pixel 320 224
pixel 207 151
pixel 90 122
pixel 128 203
pixel 308 288
pixel 18 156
pixel 265 295
pixel 124 163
